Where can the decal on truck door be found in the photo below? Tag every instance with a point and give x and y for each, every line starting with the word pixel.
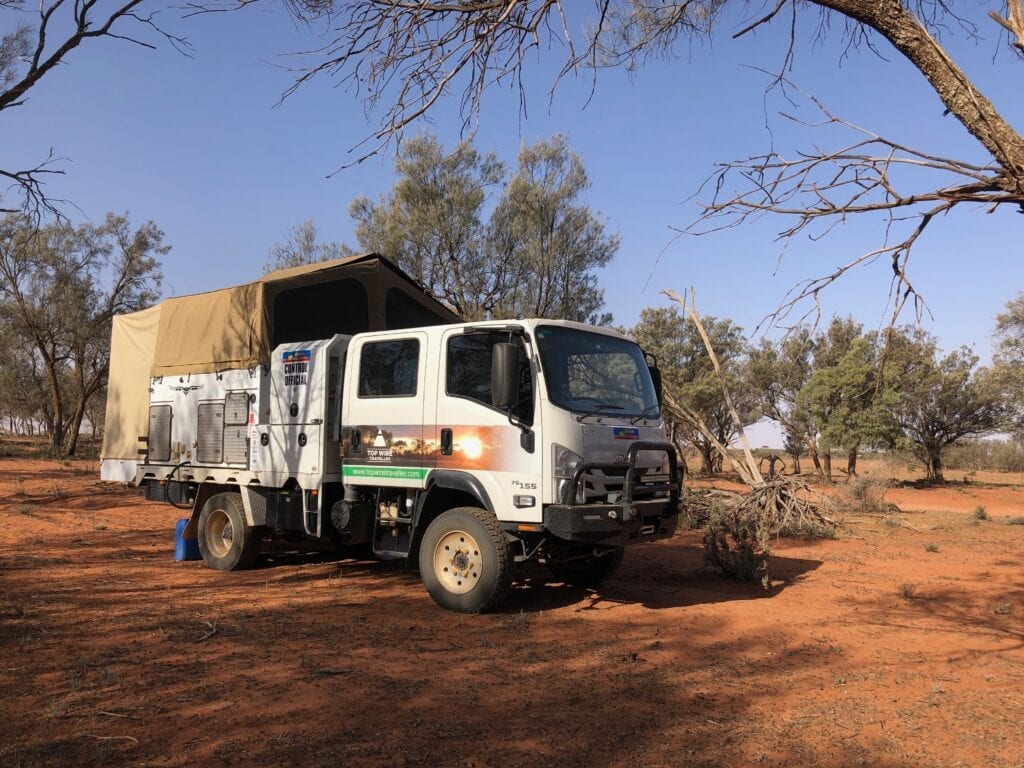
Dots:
pixel 472 447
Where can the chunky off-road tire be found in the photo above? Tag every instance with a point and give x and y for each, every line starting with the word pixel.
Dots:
pixel 590 571
pixel 465 560
pixel 225 541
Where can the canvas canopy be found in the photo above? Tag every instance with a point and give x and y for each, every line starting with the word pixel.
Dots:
pixel 238 327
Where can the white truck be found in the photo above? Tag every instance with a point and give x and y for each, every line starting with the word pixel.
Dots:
pixel 339 401
pixel 463 448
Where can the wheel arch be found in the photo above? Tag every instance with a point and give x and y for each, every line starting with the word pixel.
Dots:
pixel 204 493
pixel 446 489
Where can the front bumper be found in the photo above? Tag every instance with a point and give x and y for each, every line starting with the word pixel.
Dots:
pixel 631 520
pixel 613 525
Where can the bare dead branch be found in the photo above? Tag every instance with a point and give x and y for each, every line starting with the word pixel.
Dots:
pixel 29 185
pixel 693 420
pixel 1013 23
pixel 761 20
pixel 819 189
pixel 31 52
pixel 752 474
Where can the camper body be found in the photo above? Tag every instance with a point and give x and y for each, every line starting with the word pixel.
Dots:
pixel 462 448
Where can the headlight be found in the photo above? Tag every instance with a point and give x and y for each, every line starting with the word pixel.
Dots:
pixel 564 463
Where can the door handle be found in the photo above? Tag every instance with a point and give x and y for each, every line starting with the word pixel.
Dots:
pixel 446 442
pixel 355 439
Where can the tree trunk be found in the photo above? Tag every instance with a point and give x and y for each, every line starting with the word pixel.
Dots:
pixel 71 439
pixel 934 464
pixel 812 449
pixel 707 459
pixel 901 27
pixel 796 464
pixel 719 462
pixel 851 463
pixel 826 460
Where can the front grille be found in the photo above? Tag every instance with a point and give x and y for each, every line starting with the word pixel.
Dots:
pixel 606 485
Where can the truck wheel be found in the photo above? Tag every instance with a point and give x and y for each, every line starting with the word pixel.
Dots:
pixel 225 541
pixel 588 571
pixel 466 561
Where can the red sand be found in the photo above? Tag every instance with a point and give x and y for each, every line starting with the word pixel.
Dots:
pixel 114 654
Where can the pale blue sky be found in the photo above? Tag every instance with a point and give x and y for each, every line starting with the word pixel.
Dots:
pixel 199 147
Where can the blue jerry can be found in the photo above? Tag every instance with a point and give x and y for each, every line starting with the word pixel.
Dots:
pixel 185 549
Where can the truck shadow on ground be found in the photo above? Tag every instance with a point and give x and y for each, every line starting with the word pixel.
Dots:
pixel 674 576
pixel 670 575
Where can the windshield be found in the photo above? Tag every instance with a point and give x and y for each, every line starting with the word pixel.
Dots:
pixel 590 373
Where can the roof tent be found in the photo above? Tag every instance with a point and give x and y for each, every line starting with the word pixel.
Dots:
pixel 238 327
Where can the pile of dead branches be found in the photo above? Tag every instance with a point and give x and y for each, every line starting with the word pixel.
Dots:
pixel 741 527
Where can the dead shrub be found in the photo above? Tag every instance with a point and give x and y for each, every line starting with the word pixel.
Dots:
pixel 741 527
pixel 864 494
pixel 735 545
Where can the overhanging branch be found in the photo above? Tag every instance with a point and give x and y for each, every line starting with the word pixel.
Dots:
pixel 818 190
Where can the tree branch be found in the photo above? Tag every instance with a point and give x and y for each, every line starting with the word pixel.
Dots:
pixel 819 189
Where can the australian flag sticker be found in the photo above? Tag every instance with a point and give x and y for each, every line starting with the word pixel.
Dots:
pixel 625 433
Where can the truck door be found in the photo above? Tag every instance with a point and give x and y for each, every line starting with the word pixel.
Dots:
pixel 477 439
pixel 383 442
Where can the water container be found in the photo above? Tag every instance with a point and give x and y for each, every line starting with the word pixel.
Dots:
pixel 185 549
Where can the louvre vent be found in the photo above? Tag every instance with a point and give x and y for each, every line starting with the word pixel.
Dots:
pixel 235 447
pixel 210 448
pixel 236 408
pixel 159 433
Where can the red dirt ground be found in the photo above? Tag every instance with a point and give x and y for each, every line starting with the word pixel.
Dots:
pixel 868 650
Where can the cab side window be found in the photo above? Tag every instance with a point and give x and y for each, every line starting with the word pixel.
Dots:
pixel 469 371
pixel 389 368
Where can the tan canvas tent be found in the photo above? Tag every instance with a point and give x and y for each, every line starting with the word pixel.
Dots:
pixel 238 327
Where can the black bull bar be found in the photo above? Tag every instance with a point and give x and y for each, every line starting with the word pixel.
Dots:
pixel 629 520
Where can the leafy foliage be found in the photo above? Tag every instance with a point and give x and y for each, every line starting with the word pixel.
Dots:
pixel 302 246
pixel 1008 370
pixel 60 286
pixel 942 398
pixel 688 375
pixel 533 256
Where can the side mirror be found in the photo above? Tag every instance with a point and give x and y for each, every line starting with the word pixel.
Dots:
pixel 656 378
pixel 505 376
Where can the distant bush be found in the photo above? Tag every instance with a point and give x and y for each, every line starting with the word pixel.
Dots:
pixel 991 455
pixel 864 493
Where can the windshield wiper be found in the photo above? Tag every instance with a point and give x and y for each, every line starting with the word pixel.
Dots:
pixel 644 413
pixel 598 409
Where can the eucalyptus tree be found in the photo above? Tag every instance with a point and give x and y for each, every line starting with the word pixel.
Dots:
pixel 60 287
pixel 487 244
pixel 302 245
pixel 942 399
pixel 689 377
